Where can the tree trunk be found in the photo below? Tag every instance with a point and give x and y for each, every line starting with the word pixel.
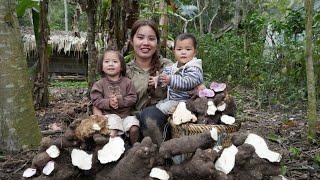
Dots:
pixel 75 21
pixel 200 18
pixel 41 93
pixel 18 126
pixel 91 9
pixel 237 17
pixel 312 102
pixel 117 24
pixel 65 15
pixel 163 23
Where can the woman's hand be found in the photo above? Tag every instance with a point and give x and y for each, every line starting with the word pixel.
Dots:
pixel 153 80
pixel 114 102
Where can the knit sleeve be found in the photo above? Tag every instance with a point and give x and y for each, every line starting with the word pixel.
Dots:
pixel 191 78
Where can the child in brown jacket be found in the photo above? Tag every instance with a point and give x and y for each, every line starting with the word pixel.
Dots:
pixel 114 96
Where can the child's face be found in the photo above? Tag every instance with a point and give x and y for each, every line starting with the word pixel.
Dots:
pixel 184 50
pixel 111 64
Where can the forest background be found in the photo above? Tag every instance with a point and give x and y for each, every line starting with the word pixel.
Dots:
pixel 255 44
pixel 257 47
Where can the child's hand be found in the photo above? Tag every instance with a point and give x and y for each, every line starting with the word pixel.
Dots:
pixel 114 102
pixel 164 79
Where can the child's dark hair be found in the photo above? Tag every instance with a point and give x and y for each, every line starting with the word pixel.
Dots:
pixel 121 58
pixel 186 36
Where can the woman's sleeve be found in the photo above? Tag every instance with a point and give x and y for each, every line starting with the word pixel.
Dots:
pixel 130 98
pixel 97 97
pixel 191 78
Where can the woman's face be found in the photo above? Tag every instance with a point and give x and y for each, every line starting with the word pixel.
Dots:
pixel 144 43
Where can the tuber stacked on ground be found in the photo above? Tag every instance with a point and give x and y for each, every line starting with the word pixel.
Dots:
pixel 85 149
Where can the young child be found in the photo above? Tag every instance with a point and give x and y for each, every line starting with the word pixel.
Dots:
pixel 114 95
pixel 183 76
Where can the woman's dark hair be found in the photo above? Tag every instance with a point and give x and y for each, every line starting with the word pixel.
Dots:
pixel 155 61
pixel 121 58
pixel 186 36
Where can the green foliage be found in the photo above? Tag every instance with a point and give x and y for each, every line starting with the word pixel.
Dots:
pixel 23 5
pixel 275 138
pixel 284 169
pixel 295 152
pixel 316 158
pixel 294 22
pixel 69 84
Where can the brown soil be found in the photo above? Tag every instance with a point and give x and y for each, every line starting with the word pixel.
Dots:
pixel 284 131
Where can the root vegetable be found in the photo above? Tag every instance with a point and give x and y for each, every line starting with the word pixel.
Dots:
pixel 53 151
pixel 218 87
pixel 159 173
pixel 226 161
pixel 211 108
pixel 81 159
pixel 112 151
pixel 227 119
pixel 47 170
pixel 29 172
pixel 40 160
pixel 182 115
pixel 186 144
pixel 261 148
pixel 206 93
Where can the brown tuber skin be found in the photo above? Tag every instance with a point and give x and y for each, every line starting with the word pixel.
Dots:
pixel 137 164
pixel 186 144
pixel 245 151
pixel 40 160
pixel 45 143
pixel 100 139
pixel 199 107
pixel 84 130
pixel 239 138
pixel 201 166
pixel 63 142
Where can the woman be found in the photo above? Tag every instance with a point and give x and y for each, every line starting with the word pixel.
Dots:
pixel 145 40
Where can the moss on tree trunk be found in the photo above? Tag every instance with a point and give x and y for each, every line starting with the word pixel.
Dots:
pixel 18 125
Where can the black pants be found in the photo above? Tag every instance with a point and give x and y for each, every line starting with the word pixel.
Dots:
pixel 153 123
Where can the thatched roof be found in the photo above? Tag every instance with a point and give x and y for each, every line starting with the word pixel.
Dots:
pixel 59 40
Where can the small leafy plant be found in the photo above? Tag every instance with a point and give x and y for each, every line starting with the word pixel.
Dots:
pixel 295 152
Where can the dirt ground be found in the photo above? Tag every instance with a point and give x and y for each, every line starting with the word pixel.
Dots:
pixel 284 131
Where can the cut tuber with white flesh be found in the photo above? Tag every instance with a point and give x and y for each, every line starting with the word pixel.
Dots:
pixel 159 174
pixel 227 119
pixel 218 87
pixel 261 148
pixel 81 159
pixel 214 134
pixel 182 114
pixel 47 170
pixel 206 93
pixel 221 106
pixel 53 151
pixel 112 151
pixel 211 108
pixel 29 172
pixel 226 161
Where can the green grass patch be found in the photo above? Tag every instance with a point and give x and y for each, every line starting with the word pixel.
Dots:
pixel 69 84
